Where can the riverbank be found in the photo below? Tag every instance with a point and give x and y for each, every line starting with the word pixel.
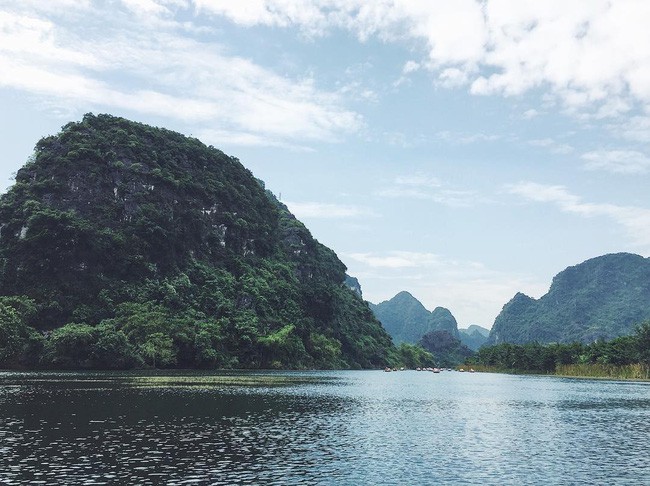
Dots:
pixel 637 372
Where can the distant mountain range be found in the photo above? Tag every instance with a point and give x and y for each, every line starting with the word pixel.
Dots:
pixel 474 336
pixel 407 320
pixel 601 298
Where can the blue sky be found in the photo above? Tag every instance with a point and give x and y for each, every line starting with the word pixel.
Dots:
pixel 462 151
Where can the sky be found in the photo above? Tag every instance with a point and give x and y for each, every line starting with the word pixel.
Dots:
pixel 462 151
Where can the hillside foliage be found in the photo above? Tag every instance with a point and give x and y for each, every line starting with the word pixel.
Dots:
pixel 599 299
pixel 600 358
pixel 407 320
pixel 126 245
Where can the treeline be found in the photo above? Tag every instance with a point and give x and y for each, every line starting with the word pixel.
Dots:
pixel 601 358
pixel 149 335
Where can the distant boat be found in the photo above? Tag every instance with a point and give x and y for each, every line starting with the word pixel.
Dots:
pixel 387 370
pixel 461 370
pixel 436 370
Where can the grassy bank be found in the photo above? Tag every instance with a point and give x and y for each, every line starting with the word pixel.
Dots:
pixel 586 370
pixel 620 372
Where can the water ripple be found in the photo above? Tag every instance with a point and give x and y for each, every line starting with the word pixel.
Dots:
pixel 321 428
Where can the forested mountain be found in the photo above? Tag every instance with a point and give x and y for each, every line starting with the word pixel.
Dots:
pixel 447 349
pixel 407 320
pixel 443 320
pixel 155 248
pixel 474 336
pixel 601 298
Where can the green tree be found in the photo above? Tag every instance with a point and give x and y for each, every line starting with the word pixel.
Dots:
pixel 71 346
pixel 112 350
pixel 158 350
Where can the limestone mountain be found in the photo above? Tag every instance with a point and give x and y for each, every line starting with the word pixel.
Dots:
pixel 443 320
pixel 125 228
pixel 601 298
pixel 407 320
pixel 474 336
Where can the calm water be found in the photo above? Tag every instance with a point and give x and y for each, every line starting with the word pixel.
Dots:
pixel 358 427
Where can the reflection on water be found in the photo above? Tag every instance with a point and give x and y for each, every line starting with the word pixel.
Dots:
pixel 361 427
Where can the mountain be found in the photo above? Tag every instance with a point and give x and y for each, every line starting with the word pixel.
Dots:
pixel 447 349
pixel 443 320
pixel 406 319
pixel 601 298
pixel 125 233
pixel 474 336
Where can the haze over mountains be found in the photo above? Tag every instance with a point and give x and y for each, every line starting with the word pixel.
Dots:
pixel 407 321
pixel 601 298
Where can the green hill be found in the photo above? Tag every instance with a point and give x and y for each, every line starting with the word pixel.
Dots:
pixel 601 298
pixel 474 336
pixel 406 319
pixel 159 249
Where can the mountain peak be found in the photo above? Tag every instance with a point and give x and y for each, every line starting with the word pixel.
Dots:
pixel 601 298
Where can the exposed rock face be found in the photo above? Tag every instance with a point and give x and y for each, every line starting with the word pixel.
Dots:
pixel 601 298
pixel 354 285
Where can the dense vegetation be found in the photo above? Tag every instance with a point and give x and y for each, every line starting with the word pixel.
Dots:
pixel 406 319
pixel 125 245
pixel 624 356
pixel 599 299
pixel 447 349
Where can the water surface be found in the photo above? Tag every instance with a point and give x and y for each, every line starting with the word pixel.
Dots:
pixel 356 427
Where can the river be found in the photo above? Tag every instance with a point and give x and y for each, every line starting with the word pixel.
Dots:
pixel 339 427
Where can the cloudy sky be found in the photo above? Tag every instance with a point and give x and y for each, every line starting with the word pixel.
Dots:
pixel 462 151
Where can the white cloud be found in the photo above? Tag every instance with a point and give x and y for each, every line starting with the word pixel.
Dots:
pixel 317 210
pixel 421 180
pixel 438 280
pixel 635 220
pixel 428 188
pixel 95 68
pixel 396 259
pixel 530 114
pixel 636 129
pixel 410 67
pixel 145 7
pixel 552 146
pixel 592 55
pixel 617 161
pixel 466 138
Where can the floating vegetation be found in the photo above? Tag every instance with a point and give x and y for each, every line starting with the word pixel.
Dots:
pixel 256 380
pixel 157 379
